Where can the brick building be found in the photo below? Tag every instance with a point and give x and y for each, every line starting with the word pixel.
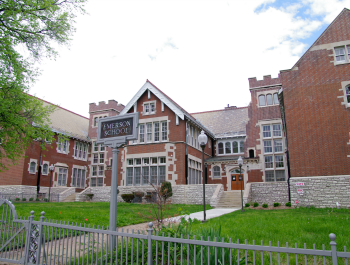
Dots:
pixel 294 136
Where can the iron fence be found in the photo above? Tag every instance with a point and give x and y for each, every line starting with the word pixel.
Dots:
pixel 26 241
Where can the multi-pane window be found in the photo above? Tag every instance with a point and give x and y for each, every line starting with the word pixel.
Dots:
pixel 62 176
pixel 194 172
pixel 142 133
pixel 153 132
pixel 156 131
pixel 347 90
pixel 164 130
pixel 95 159
pixel 62 146
pixel 192 136
pixel 149 132
pixel 268 100
pixel 273 152
pixel 146 170
pixel 80 150
pixel 340 54
pixel 98 161
pixel 32 167
pixel 149 108
pixel 102 158
pixel 230 147
pixel 78 178
pixel 216 172
pixel 45 169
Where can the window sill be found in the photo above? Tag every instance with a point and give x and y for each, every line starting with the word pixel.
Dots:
pixel 341 63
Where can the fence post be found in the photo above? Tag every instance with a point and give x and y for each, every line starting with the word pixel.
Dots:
pixel 150 254
pixel 333 249
pixel 42 217
pixel 27 244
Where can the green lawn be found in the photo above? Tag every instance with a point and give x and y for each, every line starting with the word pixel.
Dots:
pixel 302 225
pixel 97 213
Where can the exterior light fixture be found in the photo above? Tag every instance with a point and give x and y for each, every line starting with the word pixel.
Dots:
pixel 202 140
pixel 240 164
pixel 52 167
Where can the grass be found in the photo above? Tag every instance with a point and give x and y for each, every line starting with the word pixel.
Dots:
pixel 302 225
pixel 97 213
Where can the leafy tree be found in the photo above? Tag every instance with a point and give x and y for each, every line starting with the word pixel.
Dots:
pixel 32 27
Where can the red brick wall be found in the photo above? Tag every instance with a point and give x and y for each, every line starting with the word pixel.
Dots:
pixel 317 124
pixel 13 175
pixel 255 175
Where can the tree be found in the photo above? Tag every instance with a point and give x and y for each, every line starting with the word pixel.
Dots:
pixel 33 27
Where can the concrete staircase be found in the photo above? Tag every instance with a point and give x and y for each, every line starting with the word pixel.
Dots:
pixel 230 199
pixel 70 198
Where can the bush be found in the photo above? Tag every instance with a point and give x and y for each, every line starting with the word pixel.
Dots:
pixel 139 194
pixel 256 204
pixel 17 199
pixel 31 199
pixel 89 195
pixel 24 199
pixel 288 204
pixel 276 204
pixel 247 205
pixel 166 190
pixel 128 197
pixel 265 205
pixel 46 200
pixel 37 199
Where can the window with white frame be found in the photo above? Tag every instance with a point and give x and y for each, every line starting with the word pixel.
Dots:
pixel 342 54
pixel 45 168
pixel 62 176
pixel 80 150
pixel 230 147
pixel 192 136
pixel 97 174
pixel 274 163
pixel 146 170
pixel 347 91
pixel 32 167
pixel 149 108
pixel 78 178
pixel 268 99
pixel 194 172
pixel 153 132
pixel 98 165
pixel 216 172
pixel 62 146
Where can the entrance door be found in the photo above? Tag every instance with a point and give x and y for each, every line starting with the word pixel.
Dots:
pixel 236 182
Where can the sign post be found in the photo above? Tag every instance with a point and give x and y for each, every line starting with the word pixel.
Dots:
pixel 114 132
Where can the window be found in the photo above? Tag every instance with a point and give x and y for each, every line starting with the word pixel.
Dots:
pixel 347 89
pixel 62 176
pixel 62 146
pixel 153 132
pixel 262 100
pixel 138 173
pixel 95 121
pixel 149 132
pixel 277 130
pixel 45 169
pixel 80 150
pixel 194 172
pixel 268 161
pixel 153 107
pixel 164 131
pixel 216 172
pixel 156 131
pixel 149 108
pixel 78 179
pixel 268 146
pixel 278 146
pixel 102 158
pixel 266 131
pixel 142 133
pixel 269 99
pixel 95 159
pixel 275 99
pixel 230 147
pixel 340 54
pixel 32 167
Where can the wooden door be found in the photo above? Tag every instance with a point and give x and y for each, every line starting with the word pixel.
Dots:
pixel 236 183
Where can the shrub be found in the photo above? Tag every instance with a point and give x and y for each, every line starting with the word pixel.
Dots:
pixel 265 205
pixel 46 200
pixel 37 199
pixel 247 205
pixel 128 197
pixel 276 204
pixel 24 199
pixel 31 199
pixel 256 204
pixel 90 195
pixel 17 199
pixel 166 190
pixel 139 194
pixel 288 204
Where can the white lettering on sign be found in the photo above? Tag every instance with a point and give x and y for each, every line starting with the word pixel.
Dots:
pixel 300 184
pixel 300 191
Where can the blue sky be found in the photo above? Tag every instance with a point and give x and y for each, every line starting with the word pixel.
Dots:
pixel 200 53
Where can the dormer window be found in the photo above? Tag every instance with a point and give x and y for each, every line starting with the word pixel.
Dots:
pixel 149 108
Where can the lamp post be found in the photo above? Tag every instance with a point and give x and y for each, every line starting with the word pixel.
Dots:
pixel 240 163
pixel 52 167
pixel 202 140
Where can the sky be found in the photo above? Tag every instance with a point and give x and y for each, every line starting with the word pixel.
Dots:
pixel 199 52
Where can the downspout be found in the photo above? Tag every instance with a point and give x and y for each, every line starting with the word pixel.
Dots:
pixel 186 156
pixel 281 100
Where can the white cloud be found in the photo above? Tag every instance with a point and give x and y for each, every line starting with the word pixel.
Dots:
pixel 200 53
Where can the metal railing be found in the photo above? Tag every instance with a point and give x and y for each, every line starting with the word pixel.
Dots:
pixel 48 242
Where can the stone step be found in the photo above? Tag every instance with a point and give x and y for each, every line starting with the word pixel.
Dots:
pixel 230 199
pixel 70 198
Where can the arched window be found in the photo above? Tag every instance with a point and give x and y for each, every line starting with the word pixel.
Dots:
pixel 216 172
pixel 241 146
pixel 45 169
pixel 275 99
pixel 251 153
pixel 348 93
pixel 269 99
pixel 95 121
pixel 235 147
pixel 227 148
pixel 221 148
pixel 32 167
pixel 262 100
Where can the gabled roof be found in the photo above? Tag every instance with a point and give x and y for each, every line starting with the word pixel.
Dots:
pixel 176 108
pixel 69 123
pixel 226 122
